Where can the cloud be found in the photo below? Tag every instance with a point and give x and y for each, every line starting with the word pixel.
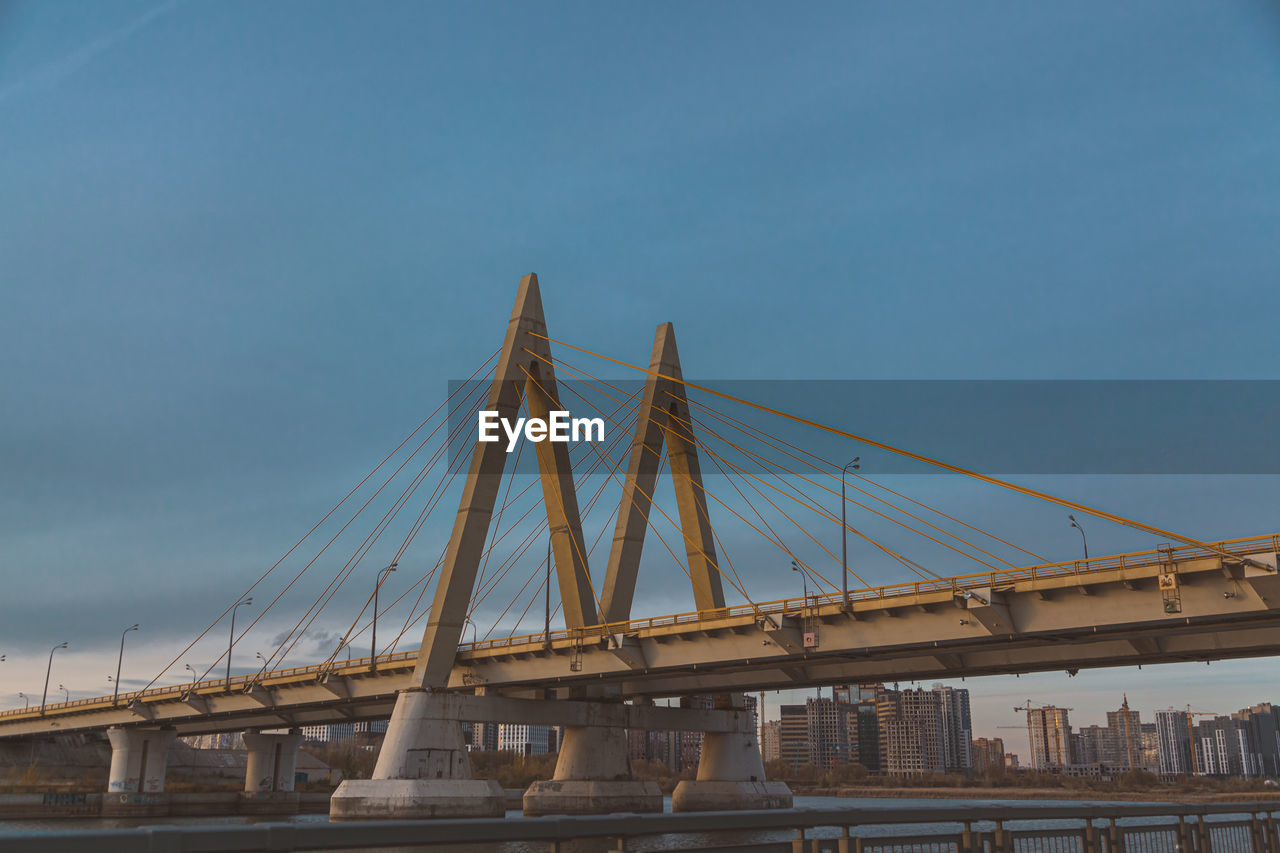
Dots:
pixel 52 73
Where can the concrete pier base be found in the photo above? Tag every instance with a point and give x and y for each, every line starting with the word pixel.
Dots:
pixel 269 802
pixel 593 776
pixel 406 799
pixel 138 760
pixel 135 805
pixel 730 776
pixel 423 770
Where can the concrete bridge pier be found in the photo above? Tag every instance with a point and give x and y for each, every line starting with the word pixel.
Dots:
pixel 730 772
pixel 135 783
pixel 593 776
pixel 423 770
pixel 270 771
pixel 138 760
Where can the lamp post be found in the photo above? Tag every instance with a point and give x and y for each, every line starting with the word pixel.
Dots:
pixel 48 670
pixel 248 602
pixel 120 660
pixel 195 676
pixel 373 645
pixel 26 698
pixel 66 692
pixel 1083 538
pixel 795 567
pixel 844 529
pixel 546 635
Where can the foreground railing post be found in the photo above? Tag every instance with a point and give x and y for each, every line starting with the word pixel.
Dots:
pixel 1272 842
pixel 1113 836
pixel 1185 842
pixel 797 843
pixel 998 838
pixel 1090 837
pixel 1257 840
pixel 1202 831
pixel 966 838
pixel 843 846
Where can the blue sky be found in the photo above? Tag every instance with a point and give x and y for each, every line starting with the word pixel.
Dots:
pixel 243 248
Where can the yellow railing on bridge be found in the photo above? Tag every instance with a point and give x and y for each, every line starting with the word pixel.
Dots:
pixel 956 583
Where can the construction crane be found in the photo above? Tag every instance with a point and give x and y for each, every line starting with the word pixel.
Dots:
pixel 1057 733
pixel 1191 735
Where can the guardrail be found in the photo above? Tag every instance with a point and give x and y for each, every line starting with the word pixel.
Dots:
pixel 1094 828
pixel 955 584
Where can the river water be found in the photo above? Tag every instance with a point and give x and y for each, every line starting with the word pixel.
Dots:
pixel 727 838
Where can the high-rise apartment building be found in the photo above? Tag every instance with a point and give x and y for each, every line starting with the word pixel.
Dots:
pixel 1262 729
pixel 526 739
pixel 771 740
pixel 1123 747
pixel 988 755
pixel 1049 731
pixel 1173 743
pixel 925 731
pixel 331 733
pixel 793 735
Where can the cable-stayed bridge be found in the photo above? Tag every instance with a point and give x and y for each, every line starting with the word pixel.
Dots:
pixel 1185 600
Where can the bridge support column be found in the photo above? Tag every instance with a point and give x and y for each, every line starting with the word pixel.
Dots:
pixel 423 770
pixel 269 773
pixel 593 776
pixel 138 760
pixel 135 783
pixel 273 762
pixel 730 773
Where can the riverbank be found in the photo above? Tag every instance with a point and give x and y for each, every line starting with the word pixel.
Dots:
pixel 1156 795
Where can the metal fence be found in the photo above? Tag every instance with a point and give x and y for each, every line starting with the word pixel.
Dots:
pixel 987 828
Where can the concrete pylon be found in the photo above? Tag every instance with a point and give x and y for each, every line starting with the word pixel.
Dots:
pixel 663 418
pixel 422 768
pixel 139 758
pixel 730 769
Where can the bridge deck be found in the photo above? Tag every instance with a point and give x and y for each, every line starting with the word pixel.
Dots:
pixel 1106 612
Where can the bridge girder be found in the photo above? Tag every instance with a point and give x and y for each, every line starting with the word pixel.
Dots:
pixel 1224 615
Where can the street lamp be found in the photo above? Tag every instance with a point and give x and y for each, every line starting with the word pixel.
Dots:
pixel 65 691
pixel 1084 538
pixel 120 660
pixel 795 567
pixel 195 676
pixel 474 630
pixel 248 602
pixel 26 698
pixel 48 670
pixel 546 635
pixel 844 528
pixel 373 646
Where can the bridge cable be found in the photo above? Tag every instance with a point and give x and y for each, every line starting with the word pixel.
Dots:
pixel 768 442
pixel 947 466
pixel 317 525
